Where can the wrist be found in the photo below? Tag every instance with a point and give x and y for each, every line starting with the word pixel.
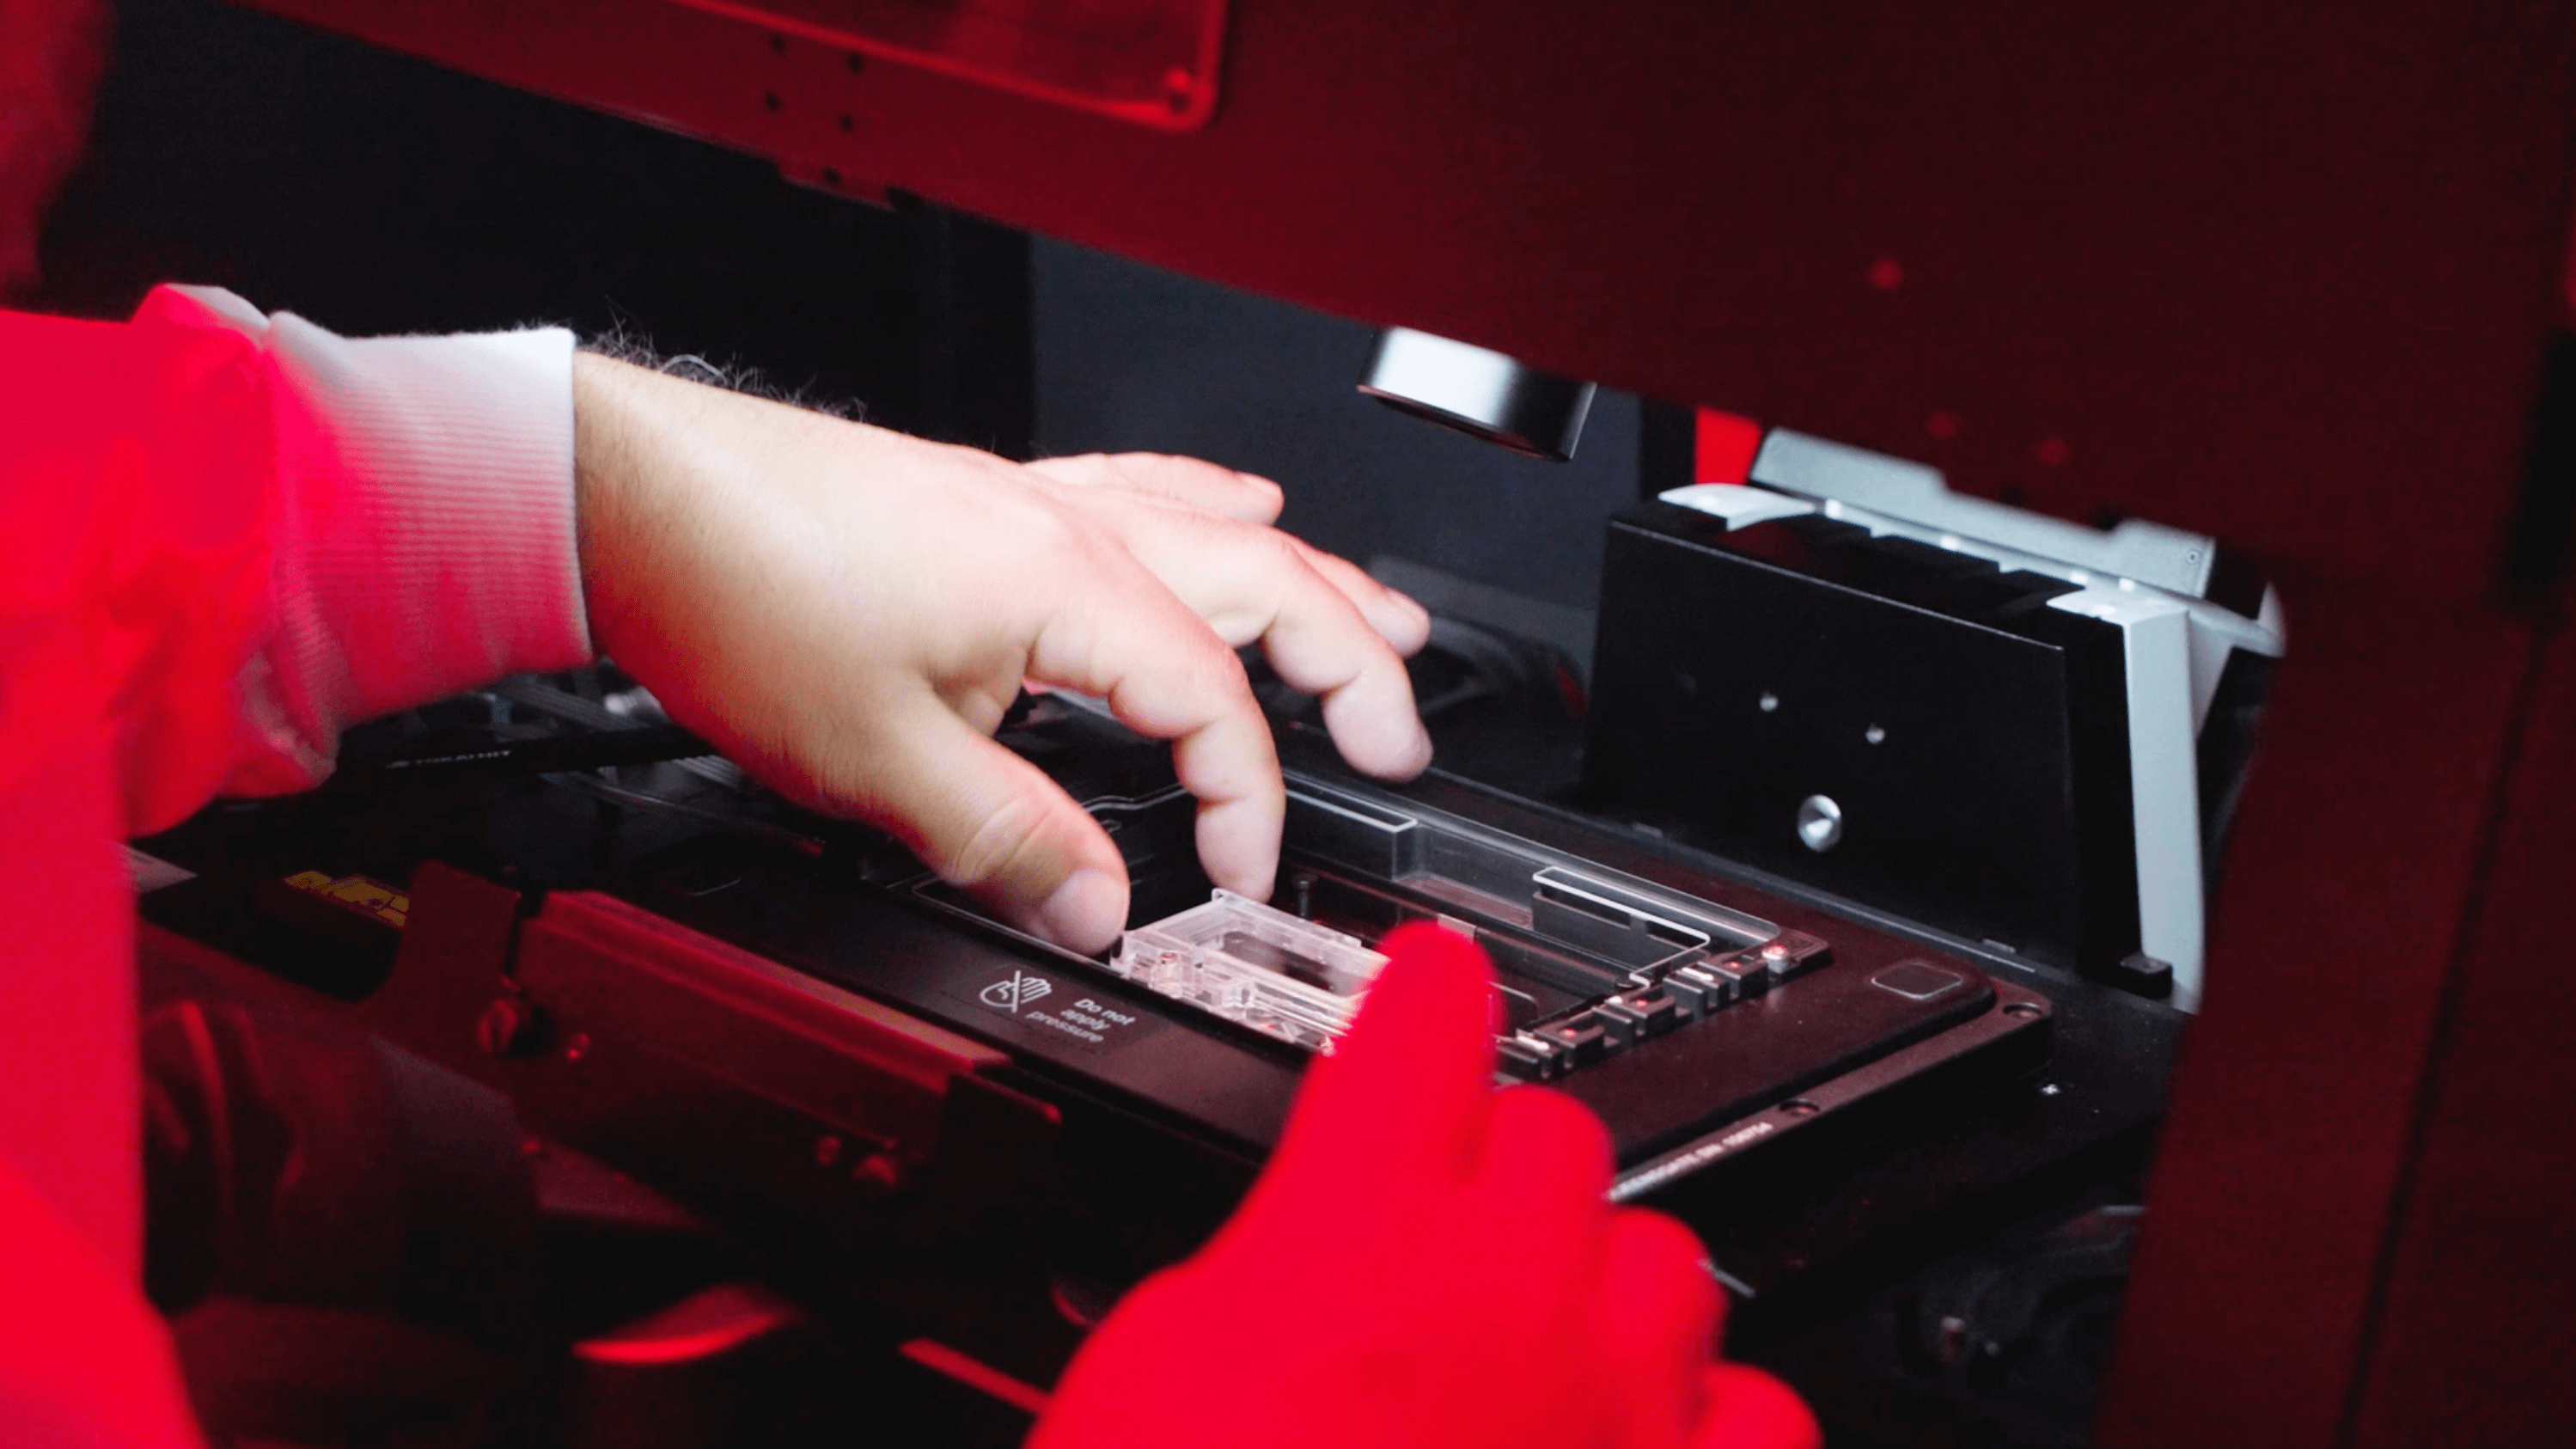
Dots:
pixel 605 419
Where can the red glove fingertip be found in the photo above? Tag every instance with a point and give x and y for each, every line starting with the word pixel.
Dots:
pixel 1427 940
pixel 1429 1013
pixel 1749 1409
pixel 1411 1085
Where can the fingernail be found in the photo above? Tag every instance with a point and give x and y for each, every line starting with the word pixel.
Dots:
pixel 1086 912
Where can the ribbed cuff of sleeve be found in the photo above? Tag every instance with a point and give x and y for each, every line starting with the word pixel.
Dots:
pixel 426 486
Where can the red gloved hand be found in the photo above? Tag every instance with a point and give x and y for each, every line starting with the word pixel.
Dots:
pixel 1426 1262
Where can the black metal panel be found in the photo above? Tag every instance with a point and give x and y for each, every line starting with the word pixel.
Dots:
pixel 1761 1051
pixel 1972 740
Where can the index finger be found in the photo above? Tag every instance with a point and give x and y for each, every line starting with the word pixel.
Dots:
pixel 1166 674
pixel 1409 1092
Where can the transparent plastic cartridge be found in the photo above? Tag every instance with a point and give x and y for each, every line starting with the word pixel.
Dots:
pixel 1246 962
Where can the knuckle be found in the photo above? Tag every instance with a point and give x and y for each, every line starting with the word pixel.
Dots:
pixel 1051 526
pixel 1098 470
pixel 1274 576
pixel 1053 545
pixel 1234 704
pixel 1212 670
pixel 1550 1129
pixel 1008 837
pixel 1279 552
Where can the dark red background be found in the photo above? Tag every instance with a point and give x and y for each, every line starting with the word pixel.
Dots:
pixel 2284 274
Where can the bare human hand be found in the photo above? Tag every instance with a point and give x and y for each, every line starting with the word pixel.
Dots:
pixel 847 612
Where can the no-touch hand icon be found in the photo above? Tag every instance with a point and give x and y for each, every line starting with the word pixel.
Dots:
pixel 1015 993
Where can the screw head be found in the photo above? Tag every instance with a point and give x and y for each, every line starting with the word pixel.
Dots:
pixel 1820 823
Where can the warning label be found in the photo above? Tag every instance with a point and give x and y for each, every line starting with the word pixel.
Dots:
pixel 1042 1003
pixel 1015 993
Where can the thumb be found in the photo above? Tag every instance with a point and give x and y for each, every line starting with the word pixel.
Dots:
pixel 991 822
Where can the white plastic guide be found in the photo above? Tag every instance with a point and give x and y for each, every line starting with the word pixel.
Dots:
pixel 2164 773
pixel 2144 578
